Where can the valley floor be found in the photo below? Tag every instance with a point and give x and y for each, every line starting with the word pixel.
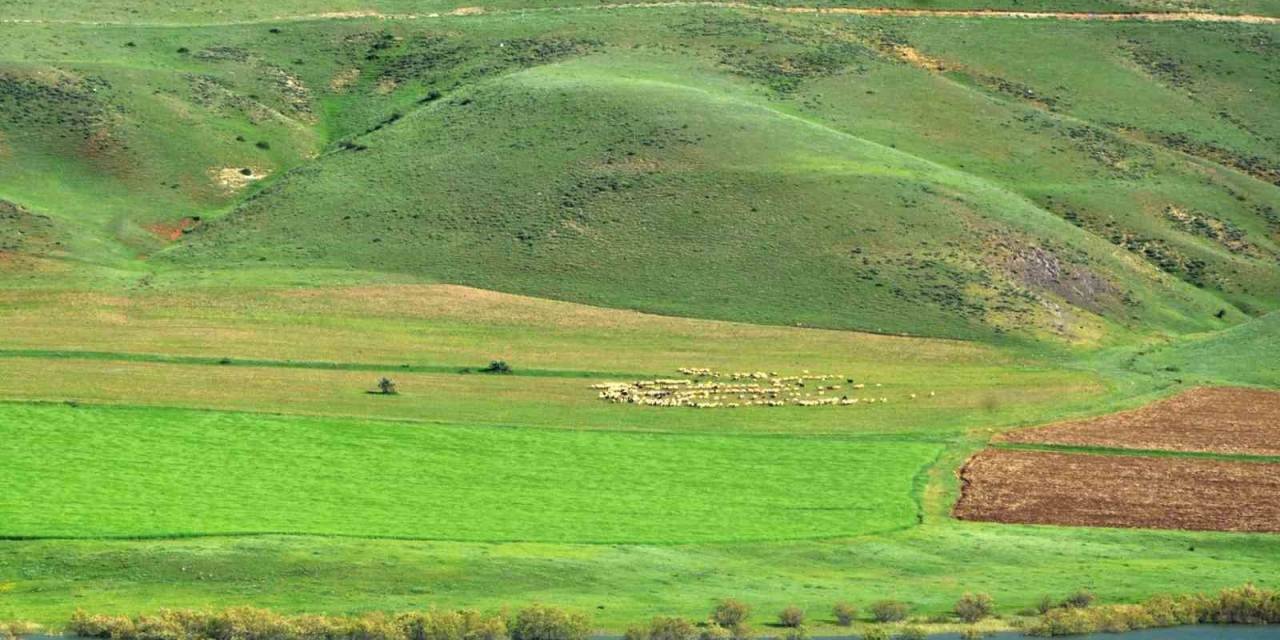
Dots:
pixel 222 419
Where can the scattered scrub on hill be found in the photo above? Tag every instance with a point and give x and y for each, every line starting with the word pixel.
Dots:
pixel 1241 605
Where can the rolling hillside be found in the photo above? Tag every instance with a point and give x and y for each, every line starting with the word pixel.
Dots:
pixel 882 174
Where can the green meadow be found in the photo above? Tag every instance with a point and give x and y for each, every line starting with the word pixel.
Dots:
pixel 222 223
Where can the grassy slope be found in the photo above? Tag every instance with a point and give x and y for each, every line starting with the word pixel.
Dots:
pixel 1243 355
pixel 623 166
pixel 923 194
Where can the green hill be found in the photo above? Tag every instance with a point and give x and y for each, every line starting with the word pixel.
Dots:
pixel 883 174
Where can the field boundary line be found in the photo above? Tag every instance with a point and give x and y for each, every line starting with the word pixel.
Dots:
pixel 118 356
pixel 1048 447
pixel 905 438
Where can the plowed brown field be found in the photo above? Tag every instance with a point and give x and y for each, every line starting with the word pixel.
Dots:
pixel 1223 420
pixel 1033 487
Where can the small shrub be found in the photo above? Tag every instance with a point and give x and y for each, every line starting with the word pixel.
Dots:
pixel 1062 622
pixel 1045 604
pixel 792 617
pixel 16 628
pixel 794 633
pixel 497 366
pixel 1168 611
pixel 972 633
pixel 387 387
pixel 101 626
pixel 1246 605
pixel 661 628
pixel 875 633
pixel 889 611
pixel 974 607
pixel 636 633
pixel 713 631
pixel 1079 600
pixel 741 631
pixel 912 633
pixel 548 623
pixel 730 613
pixel 262 144
pixel 845 613
pixel 451 625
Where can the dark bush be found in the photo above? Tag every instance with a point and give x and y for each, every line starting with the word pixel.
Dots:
pixel 792 616
pixel 1081 599
pixel 497 366
pixel 262 144
pixel 387 387
pixel 845 613
pixel 889 611
pixel 974 607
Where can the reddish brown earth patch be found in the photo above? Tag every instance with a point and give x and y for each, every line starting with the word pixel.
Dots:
pixel 171 231
pixel 1222 420
pixel 1035 487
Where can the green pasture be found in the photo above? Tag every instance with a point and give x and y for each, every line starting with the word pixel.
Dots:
pixel 175 473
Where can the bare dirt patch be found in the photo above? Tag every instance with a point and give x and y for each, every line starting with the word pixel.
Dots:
pixel 343 80
pixel 233 179
pixel 1217 420
pixel 1034 487
pixel 170 231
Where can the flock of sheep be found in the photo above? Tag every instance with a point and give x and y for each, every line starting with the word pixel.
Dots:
pixel 709 389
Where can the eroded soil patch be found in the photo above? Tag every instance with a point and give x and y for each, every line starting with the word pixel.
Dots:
pixel 1220 420
pixel 1034 487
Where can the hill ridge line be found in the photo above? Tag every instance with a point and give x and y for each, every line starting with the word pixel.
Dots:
pixel 892 12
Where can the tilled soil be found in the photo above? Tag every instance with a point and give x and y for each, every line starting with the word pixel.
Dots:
pixel 1219 420
pixel 1033 487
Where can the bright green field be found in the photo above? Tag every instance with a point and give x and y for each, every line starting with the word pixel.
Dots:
pixel 180 473
pixel 992 222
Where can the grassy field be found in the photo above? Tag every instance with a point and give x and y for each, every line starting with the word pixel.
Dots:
pixel 177 473
pixel 220 224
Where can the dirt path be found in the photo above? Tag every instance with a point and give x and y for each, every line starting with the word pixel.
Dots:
pixel 1185 16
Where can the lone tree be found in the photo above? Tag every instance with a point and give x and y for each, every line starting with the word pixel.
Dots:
pixel 386 387
pixel 497 366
